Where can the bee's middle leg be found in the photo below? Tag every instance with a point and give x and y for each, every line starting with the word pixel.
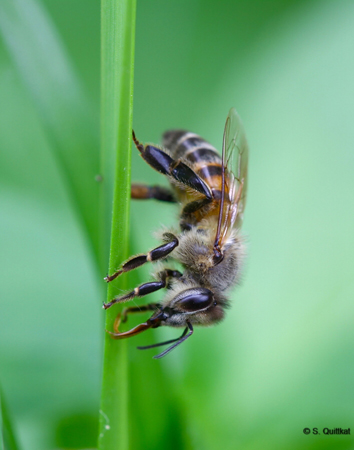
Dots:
pixel 146 288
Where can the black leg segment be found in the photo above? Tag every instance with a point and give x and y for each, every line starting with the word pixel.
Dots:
pixel 157 253
pixel 140 291
pixel 146 288
pixel 162 251
pixel 163 163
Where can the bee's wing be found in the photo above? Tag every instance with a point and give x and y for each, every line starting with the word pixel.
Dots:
pixel 234 177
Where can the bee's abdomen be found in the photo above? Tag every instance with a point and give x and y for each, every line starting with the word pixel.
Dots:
pixel 201 156
pixel 190 146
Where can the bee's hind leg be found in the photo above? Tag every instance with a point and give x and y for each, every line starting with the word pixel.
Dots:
pixel 162 162
pixel 143 192
pixel 157 253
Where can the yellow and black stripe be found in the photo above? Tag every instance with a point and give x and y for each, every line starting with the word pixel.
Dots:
pixel 201 156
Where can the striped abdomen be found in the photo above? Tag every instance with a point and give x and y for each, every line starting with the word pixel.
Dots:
pixel 201 156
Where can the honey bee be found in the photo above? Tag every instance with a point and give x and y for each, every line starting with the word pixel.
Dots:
pixel 211 190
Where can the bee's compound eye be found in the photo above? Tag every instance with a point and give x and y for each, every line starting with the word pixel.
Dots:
pixel 195 300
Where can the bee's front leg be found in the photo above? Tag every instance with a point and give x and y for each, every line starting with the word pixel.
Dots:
pixel 138 309
pixel 123 316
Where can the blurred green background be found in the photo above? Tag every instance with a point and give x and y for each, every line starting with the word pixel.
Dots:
pixel 283 358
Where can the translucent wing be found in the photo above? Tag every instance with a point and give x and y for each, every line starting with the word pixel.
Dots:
pixel 234 178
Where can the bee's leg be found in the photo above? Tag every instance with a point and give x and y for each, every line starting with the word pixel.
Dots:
pixel 153 255
pixel 163 163
pixel 140 291
pixel 142 192
pixel 138 309
pixel 146 288
pixel 122 316
pixel 187 218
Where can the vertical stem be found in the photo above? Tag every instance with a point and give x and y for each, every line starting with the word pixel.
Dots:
pixel 117 62
pixel 7 435
pixel 2 444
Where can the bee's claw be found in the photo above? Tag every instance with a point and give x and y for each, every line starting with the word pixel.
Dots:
pixel 106 305
pixel 109 278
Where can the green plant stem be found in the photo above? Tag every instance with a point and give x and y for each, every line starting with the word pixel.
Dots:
pixel 7 436
pixel 117 62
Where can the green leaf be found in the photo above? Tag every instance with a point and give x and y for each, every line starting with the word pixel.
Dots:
pixel 7 437
pixel 65 112
pixel 118 36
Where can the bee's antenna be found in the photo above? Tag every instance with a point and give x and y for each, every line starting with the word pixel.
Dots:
pixel 180 340
pixel 146 347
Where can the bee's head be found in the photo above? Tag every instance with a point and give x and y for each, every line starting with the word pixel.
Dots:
pixel 197 305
